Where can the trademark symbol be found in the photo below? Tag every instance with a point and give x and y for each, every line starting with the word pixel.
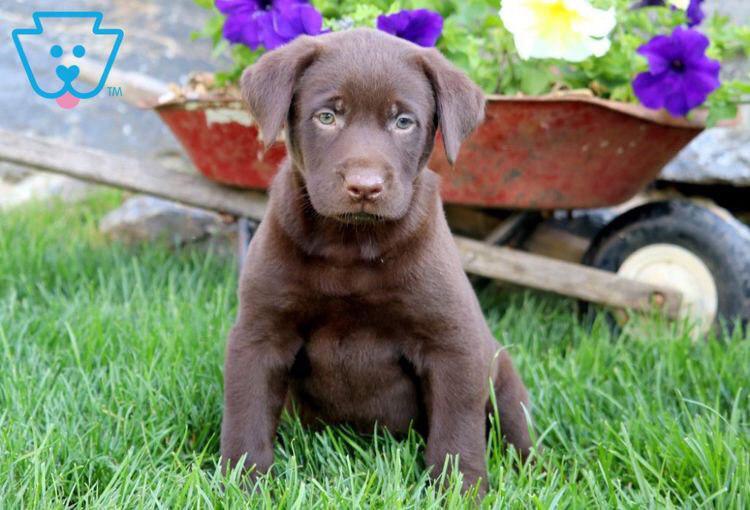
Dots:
pixel 114 91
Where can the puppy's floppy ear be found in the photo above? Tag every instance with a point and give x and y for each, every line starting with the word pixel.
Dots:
pixel 268 85
pixel 460 103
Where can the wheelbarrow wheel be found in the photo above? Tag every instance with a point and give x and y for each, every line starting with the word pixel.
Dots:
pixel 705 255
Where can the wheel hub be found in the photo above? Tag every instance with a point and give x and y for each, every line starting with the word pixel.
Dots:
pixel 673 266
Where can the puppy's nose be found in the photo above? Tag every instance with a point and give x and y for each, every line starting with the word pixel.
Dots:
pixel 364 186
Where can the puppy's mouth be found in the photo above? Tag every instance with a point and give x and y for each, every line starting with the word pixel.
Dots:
pixel 359 218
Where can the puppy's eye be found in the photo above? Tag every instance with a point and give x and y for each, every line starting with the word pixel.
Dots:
pixel 326 118
pixel 404 122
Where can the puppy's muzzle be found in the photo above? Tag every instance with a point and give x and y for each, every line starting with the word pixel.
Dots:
pixel 364 186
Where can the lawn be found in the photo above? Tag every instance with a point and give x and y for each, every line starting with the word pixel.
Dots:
pixel 111 395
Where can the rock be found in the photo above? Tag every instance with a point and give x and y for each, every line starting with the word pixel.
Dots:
pixel 738 10
pixel 148 219
pixel 12 174
pixel 42 187
pixel 718 156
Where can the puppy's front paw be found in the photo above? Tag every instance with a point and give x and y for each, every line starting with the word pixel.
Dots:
pixel 471 474
pixel 250 469
pixel 253 464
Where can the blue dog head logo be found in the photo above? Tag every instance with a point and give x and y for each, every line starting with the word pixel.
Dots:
pixel 61 80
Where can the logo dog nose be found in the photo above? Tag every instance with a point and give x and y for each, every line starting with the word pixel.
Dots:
pixel 67 73
pixel 364 186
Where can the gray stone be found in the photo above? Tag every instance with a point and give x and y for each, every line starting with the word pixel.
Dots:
pixel 738 10
pixel 157 43
pixel 13 174
pixel 147 219
pixel 718 156
pixel 43 187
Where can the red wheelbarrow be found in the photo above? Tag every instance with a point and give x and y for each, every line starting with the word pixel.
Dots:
pixel 534 164
pixel 549 153
pixel 567 152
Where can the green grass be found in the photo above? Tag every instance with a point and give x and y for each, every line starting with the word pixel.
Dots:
pixel 111 396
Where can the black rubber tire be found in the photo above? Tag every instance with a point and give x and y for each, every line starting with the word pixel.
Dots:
pixel 723 244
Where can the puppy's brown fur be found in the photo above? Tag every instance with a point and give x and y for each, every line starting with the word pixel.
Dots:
pixel 353 302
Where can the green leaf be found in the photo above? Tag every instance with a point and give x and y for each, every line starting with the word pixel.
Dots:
pixel 220 48
pixel 475 39
pixel 721 111
pixel 364 15
pixel 211 29
pixel 535 80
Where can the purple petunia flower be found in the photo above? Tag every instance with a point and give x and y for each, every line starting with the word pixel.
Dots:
pixel 270 23
pixel 242 6
pixel 694 11
pixel 680 76
pixel 420 26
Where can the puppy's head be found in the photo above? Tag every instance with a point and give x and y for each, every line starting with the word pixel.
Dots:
pixel 361 109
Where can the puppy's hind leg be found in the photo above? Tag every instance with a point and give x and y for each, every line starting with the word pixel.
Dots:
pixel 512 401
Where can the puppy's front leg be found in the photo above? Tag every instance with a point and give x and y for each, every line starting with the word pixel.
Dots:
pixel 456 392
pixel 256 369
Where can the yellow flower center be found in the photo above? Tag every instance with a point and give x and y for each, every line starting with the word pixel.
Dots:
pixel 554 18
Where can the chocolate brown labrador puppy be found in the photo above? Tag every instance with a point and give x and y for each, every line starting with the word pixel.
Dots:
pixel 354 307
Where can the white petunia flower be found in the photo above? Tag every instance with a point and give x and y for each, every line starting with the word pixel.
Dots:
pixel 571 30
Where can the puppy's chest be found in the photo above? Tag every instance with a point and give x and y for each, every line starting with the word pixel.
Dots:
pixel 372 280
pixel 356 334
pixel 353 368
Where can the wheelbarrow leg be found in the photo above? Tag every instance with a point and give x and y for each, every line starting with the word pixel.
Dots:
pixel 245 231
pixel 516 228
